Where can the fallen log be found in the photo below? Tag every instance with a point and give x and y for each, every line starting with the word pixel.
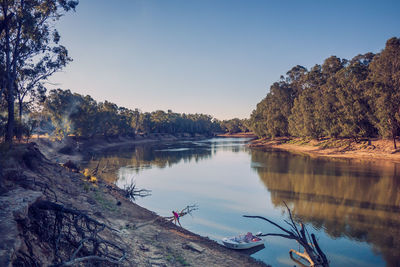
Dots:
pixel 297 231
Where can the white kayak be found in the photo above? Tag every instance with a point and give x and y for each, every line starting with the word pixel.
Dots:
pixel 243 241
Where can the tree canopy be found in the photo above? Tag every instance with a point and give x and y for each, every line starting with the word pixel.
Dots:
pixel 72 113
pixel 30 50
pixel 340 98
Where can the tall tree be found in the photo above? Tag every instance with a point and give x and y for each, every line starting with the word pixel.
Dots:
pixel 303 120
pixel 385 89
pixel 29 40
pixel 354 109
pixel 328 107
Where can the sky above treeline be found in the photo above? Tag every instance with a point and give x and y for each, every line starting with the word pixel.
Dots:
pixel 217 57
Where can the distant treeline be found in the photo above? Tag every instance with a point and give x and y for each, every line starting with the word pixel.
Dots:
pixel 340 98
pixel 66 113
pixel 63 113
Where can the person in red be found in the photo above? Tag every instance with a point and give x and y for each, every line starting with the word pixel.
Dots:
pixel 176 218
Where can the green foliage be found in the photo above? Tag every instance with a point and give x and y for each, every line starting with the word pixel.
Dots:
pixel 235 126
pixel 384 88
pixel 341 98
pixel 72 113
pixel 29 51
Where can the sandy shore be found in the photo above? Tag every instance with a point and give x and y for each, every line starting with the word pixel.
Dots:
pixel 239 135
pixel 376 149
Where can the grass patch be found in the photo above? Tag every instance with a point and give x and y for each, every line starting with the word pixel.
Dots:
pixel 333 143
pixel 174 257
pixel 299 141
pixel 105 203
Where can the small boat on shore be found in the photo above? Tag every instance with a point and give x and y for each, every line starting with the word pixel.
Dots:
pixel 243 241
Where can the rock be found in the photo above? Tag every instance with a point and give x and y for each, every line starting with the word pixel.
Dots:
pixel 193 246
pixel 143 247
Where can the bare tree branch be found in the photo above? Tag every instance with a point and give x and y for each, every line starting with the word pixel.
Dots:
pixel 312 252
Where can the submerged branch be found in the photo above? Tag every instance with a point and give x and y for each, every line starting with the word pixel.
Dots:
pixel 312 251
pixel 132 192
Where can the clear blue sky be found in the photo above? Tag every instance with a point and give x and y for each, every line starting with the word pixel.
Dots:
pixel 210 56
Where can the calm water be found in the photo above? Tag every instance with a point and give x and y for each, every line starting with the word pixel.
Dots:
pixel 352 207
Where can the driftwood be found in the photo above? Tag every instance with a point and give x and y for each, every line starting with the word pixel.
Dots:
pixel 187 210
pixel 297 231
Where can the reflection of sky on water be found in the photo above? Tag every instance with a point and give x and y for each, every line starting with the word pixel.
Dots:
pixel 226 180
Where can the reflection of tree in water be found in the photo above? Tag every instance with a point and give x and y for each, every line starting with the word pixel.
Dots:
pixel 144 156
pixel 358 200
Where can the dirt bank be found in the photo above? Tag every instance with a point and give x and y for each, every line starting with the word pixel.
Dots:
pixel 238 135
pixel 51 214
pixel 374 149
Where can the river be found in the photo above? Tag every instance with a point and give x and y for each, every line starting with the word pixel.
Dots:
pixel 352 206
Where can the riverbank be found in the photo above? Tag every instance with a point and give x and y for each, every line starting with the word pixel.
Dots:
pixel 374 149
pixel 75 149
pixel 238 135
pixel 30 181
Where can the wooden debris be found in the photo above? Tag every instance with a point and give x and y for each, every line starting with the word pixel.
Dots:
pixel 194 247
pixel 297 231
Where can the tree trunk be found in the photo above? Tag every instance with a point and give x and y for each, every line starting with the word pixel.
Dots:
pixel 20 103
pixel 10 121
pixel 394 133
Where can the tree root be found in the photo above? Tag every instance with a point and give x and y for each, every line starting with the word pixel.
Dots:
pixel 72 236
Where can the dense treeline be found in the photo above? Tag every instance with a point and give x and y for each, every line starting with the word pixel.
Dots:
pixel 67 113
pixel 63 113
pixel 340 98
pixel 235 126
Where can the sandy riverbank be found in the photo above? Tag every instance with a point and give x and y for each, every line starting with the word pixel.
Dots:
pixel 29 179
pixel 376 149
pixel 238 135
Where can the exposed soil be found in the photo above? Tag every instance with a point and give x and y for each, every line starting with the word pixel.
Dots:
pixel 373 149
pixel 239 135
pixel 28 235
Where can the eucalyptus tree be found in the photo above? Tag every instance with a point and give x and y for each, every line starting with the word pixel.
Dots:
pixel 354 109
pixel 304 119
pixel 385 89
pixel 61 105
pixel 29 41
pixel 258 118
pixel 327 108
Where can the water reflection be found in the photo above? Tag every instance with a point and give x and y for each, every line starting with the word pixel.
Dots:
pixel 360 201
pixel 353 203
pixel 160 155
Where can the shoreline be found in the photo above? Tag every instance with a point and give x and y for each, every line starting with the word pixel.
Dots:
pixel 77 149
pixel 238 135
pixel 376 150
pixel 147 238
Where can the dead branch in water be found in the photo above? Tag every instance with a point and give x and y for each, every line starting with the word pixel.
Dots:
pixel 187 210
pixel 132 192
pixel 297 231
